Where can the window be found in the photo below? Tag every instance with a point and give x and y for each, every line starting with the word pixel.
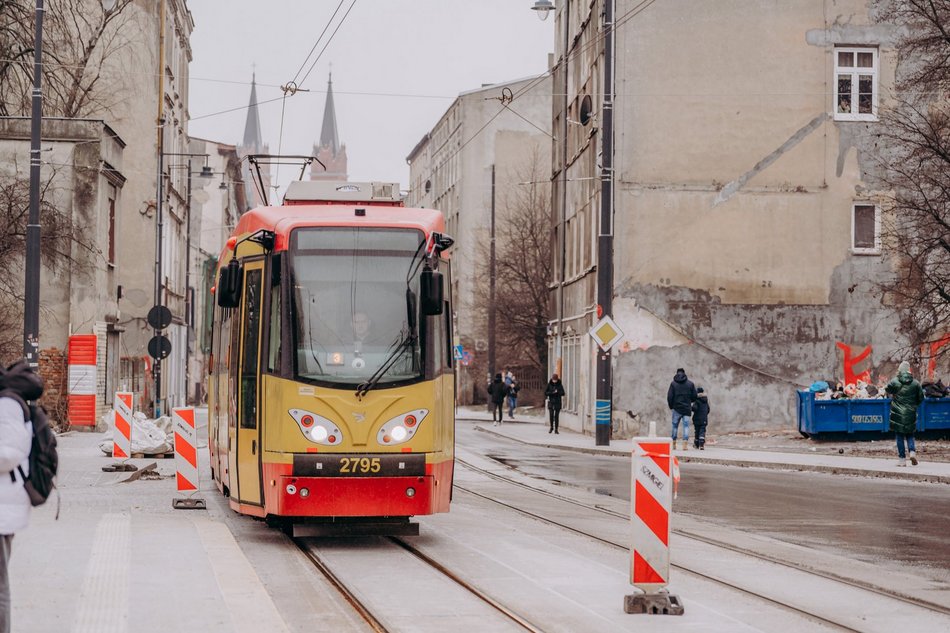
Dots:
pixel 856 84
pixel 865 229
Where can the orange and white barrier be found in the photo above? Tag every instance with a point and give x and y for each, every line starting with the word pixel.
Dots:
pixel 81 358
pixel 652 482
pixel 122 426
pixel 186 452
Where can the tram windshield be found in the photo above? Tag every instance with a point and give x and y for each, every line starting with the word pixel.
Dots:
pixel 354 304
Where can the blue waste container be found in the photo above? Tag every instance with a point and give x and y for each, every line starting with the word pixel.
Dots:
pixel 933 414
pixel 849 415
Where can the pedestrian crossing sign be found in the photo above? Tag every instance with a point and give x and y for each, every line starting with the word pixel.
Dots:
pixel 606 332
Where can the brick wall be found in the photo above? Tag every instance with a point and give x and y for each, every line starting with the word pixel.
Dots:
pixel 54 371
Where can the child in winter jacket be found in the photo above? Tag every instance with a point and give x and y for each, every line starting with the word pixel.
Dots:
pixel 700 418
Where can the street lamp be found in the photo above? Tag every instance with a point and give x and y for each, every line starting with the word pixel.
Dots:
pixel 605 238
pixel 159 316
pixel 543 7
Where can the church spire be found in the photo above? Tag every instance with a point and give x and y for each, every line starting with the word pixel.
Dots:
pixel 328 133
pixel 252 127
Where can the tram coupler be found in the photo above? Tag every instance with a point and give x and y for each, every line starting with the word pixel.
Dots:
pixel 660 603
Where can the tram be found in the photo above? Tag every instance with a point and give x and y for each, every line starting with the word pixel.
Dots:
pixel 331 386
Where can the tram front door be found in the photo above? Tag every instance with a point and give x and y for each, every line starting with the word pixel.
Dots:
pixel 248 432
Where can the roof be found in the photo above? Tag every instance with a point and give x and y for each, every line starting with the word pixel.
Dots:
pixel 328 132
pixel 284 219
pixel 252 126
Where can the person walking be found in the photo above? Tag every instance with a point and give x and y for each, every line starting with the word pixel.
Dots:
pixel 513 389
pixel 906 395
pixel 16 437
pixel 554 392
pixel 680 397
pixel 700 419
pixel 496 393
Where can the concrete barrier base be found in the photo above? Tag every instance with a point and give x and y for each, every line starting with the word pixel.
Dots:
pixel 661 603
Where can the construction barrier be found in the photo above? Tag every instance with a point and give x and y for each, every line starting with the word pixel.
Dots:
pixel 653 479
pixel 186 457
pixel 122 426
pixel 186 453
pixel 81 390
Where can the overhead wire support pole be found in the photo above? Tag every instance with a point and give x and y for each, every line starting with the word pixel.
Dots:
pixel 605 238
pixel 31 299
pixel 159 223
pixel 491 285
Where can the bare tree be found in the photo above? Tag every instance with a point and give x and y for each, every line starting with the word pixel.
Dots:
pixel 80 37
pixel 916 157
pixel 523 268
pixel 60 241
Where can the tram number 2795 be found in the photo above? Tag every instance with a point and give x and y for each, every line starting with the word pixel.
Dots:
pixel 360 465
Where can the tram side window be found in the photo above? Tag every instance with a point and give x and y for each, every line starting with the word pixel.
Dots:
pixel 250 348
pixel 273 347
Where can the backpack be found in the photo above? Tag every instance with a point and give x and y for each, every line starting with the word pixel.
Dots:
pixel 43 459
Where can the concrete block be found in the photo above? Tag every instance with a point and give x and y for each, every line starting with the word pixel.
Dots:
pixel 660 603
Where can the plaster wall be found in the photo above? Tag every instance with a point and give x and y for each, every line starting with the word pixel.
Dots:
pixel 733 207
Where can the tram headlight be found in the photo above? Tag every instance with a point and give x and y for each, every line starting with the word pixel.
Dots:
pixel 317 428
pixel 401 428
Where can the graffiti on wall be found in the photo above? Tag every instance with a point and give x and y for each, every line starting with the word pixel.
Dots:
pixel 931 354
pixel 856 366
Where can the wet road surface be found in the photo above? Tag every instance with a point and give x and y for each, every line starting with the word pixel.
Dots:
pixel 870 519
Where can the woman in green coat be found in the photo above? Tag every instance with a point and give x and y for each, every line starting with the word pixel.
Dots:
pixel 906 395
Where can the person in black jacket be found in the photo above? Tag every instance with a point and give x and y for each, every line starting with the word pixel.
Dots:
pixel 700 418
pixel 497 390
pixel 554 392
pixel 680 397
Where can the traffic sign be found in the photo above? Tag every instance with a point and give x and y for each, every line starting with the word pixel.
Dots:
pixel 606 333
pixel 159 347
pixel 159 317
pixel 458 352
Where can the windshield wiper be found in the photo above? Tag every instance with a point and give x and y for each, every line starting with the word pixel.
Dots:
pixel 407 343
pixel 373 380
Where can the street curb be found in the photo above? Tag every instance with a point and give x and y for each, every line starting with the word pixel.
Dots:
pixel 833 470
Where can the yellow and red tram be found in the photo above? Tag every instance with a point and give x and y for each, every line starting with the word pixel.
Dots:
pixel 331 388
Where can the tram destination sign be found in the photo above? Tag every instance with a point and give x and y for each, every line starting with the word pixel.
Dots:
pixel 360 465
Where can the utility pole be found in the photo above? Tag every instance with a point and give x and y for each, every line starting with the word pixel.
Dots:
pixel 605 239
pixel 491 285
pixel 31 301
pixel 159 222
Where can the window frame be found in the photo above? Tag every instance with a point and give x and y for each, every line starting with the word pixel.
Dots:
pixel 854 72
pixel 860 250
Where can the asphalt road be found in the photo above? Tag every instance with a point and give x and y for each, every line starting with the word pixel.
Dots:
pixel 874 520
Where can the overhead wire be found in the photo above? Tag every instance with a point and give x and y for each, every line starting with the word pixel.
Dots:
pixel 332 35
pixel 317 43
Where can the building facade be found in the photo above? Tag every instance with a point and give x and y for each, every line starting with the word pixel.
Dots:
pixel 450 169
pixel 747 204
pixel 82 186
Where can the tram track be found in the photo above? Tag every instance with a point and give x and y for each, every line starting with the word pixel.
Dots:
pixel 861 585
pixel 355 603
pixel 374 622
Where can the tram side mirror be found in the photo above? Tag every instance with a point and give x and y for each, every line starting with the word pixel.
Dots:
pixel 432 292
pixel 229 285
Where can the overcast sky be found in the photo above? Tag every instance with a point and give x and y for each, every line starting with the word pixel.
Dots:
pixel 397 65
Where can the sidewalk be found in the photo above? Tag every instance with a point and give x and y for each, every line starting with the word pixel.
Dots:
pixel 120 558
pixel 530 428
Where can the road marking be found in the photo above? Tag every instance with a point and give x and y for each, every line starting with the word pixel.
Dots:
pixel 247 602
pixel 104 598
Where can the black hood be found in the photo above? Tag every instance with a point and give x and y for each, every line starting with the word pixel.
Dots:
pixel 20 378
pixel 680 376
